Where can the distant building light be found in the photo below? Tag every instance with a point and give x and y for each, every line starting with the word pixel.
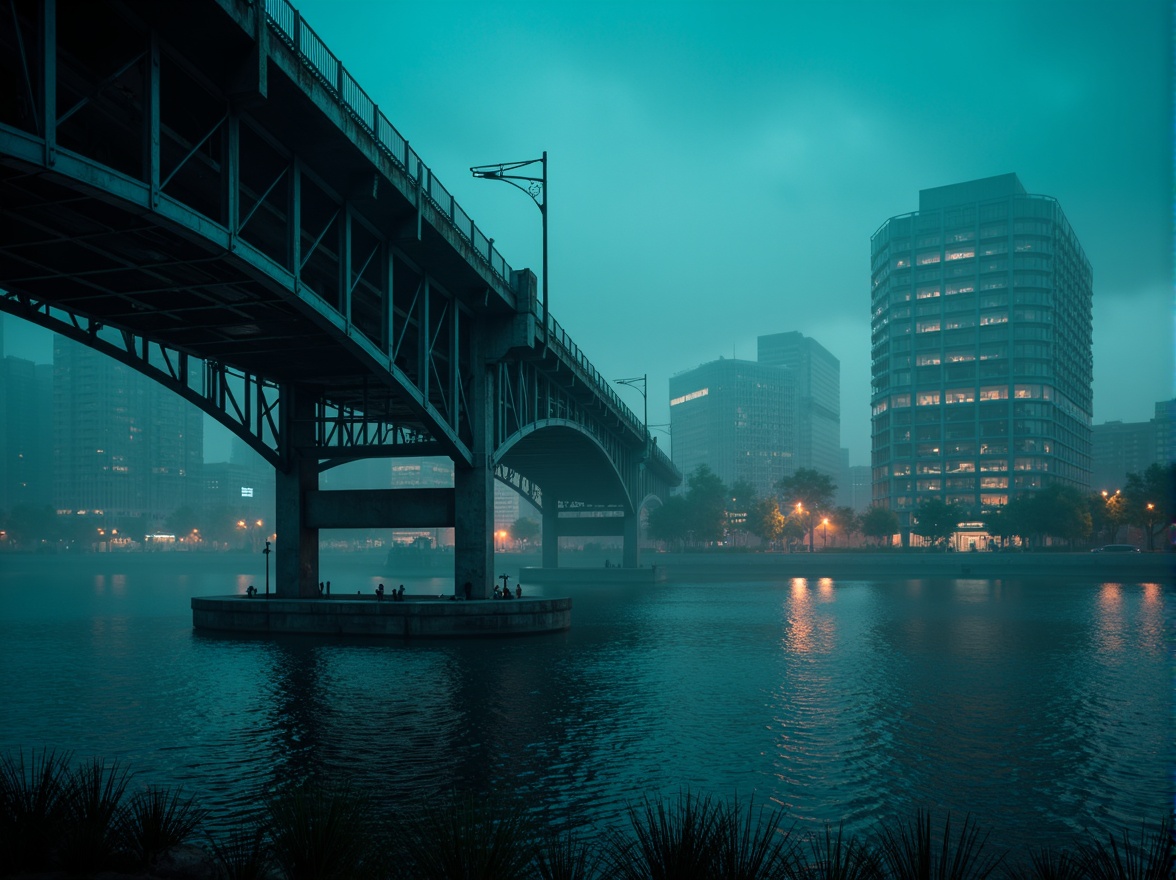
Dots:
pixel 246 492
pixel 702 392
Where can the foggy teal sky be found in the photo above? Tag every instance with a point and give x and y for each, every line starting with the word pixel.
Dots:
pixel 717 169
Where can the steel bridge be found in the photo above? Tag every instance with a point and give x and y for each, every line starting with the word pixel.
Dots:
pixel 202 191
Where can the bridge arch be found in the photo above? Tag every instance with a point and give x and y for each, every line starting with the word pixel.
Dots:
pixel 232 215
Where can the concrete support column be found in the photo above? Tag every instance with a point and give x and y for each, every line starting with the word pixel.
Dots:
pixel 473 529
pixel 631 556
pixel 473 488
pixel 297 546
pixel 550 531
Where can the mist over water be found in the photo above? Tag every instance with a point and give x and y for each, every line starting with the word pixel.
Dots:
pixel 1041 707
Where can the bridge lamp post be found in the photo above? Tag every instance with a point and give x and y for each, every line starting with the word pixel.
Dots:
pixel 641 383
pixel 536 188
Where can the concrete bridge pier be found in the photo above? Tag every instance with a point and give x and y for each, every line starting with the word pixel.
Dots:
pixel 628 526
pixel 550 531
pixel 297 547
pixel 631 552
pixel 473 486
pixel 473 529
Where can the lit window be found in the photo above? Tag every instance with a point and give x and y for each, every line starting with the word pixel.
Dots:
pixel 927 259
pixel 961 254
pixel 928 398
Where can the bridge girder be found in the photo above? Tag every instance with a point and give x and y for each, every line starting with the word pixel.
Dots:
pixel 209 197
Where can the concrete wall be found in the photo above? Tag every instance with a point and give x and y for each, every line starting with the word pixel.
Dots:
pixel 368 617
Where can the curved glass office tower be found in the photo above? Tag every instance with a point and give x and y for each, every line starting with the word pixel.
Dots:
pixel 981 349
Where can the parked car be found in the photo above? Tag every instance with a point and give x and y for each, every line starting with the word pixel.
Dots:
pixel 1116 548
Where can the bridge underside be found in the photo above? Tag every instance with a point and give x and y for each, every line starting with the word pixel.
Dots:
pixel 201 198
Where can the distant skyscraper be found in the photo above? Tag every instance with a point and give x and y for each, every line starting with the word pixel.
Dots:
pixel 736 417
pixel 817 377
pixel 26 432
pixel 1165 421
pixel 981 334
pixel 1122 448
pixel 123 444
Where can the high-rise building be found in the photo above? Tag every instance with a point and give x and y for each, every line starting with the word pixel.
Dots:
pixel 737 418
pixel 26 432
pixel 1165 422
pixel 124 447
pixel 1119 449
pixel 817 378
pixel 1122 448
pixel 981 349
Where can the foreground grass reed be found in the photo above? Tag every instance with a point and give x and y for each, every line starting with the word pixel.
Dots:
pixel 55 816
pixel 322 832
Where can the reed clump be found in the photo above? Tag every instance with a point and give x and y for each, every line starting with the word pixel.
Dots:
pixel 81 819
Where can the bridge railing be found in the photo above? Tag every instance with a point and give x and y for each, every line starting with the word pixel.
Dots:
pixel 290 27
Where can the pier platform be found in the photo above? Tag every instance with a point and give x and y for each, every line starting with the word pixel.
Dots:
pixel 414 617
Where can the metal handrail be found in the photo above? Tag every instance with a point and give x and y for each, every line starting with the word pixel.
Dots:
pixel 296 34
pixel 293 30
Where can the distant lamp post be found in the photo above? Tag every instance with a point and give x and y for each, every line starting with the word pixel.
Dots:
pixel 266 551
pixel 641 383
pixel 825 532
pixel 501 534
pixel 536 188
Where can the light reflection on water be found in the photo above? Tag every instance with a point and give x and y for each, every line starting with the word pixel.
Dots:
pixel 1042 708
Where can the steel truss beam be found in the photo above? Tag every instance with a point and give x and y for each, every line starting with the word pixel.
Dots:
pixel 212 243
pixel 247 404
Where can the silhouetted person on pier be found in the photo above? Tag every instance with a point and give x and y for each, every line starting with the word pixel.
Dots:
pixel 400 594
pixel 380 593
pixel 328 588
pixel 518 591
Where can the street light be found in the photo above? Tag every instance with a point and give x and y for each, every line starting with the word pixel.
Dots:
pixel 825 532
pixel 536 187
pixel 641 383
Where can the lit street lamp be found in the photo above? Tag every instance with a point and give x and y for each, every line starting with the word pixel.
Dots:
pixel 536 188
pixel 825 532
pixel 267 552
pixel 641 383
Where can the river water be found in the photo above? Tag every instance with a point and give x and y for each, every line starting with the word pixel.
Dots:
pixel 1042 707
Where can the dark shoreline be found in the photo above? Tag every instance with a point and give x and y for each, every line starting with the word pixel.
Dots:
pixel 1159 567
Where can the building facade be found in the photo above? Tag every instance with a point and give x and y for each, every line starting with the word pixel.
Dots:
pixel 736 417
pixel 1122 448
pixel 981 349
pixel 26 433
pixel 124 446
pixel 817 380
